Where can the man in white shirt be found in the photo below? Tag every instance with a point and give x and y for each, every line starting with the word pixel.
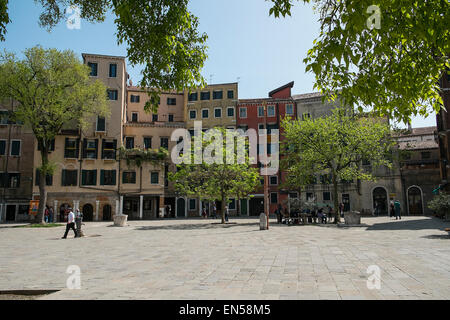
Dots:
pixel 70 224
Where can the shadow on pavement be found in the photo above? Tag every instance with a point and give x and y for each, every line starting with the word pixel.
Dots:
pixel 437 236
pixel 422 224
pixel 198 226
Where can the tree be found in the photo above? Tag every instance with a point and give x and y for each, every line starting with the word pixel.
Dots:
pixel 53 90
pixel 162 35
pixel 334 145
pixel 389 57
pixel 223 173
pixel 440 204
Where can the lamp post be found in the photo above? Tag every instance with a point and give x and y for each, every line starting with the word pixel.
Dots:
pixel 266 178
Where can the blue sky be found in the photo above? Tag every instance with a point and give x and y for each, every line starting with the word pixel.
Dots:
pixel 244 42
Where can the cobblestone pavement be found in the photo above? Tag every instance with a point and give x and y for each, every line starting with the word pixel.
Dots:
pixel 196 259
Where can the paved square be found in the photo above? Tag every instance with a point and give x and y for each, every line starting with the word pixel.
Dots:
pixel 195 259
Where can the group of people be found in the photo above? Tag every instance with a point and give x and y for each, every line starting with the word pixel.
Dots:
pixel 206 215
pixel 318 214
pixel 72 220
pixel 395 210
pixel 48 214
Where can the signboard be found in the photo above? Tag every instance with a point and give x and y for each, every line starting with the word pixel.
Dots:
pixel 34 207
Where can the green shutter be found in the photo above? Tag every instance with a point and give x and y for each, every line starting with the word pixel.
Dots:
pixel 63 178
pixel 95 177
pixel 96 148
pixel 83 177
pixel 102 177
pixel 114 177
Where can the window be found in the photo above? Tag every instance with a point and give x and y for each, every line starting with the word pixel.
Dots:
pixel 217 95
pixel 108 177
pixel 134 117
pixel 309 196
pixel 192 204
pixel 113 94
pixel 113 70
pixel 271 111
pixel 205 113
pixel 90 149
pixel 306 116
pixel 129 142
pixel 232 204
pixel 426 155
pixel 273 197
pixel 71 148
pixel 155 118
pixel 193 96
pixel 230 111
pixel 273 180
pixel 135 99
pixel 147 143
pixel 129 177
pixel 101 124
pixel 243 113
pixel 2 147
pixel 218 113
pixel 205 96
pixel 261 126
pixel 171 101
pixel 69 178
pixel 165 143
pixel 170 117
pixel 89 177
pixel 4 117
pixel 260 111
pixel 154 178
pixel 109 149
pixel 192 114
pixel 15 147
pixel 48 179
pixel 94 69
pixel 327 196
pixel 289 109
pixel 230 94
pixel 13 180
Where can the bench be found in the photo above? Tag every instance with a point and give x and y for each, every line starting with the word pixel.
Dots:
pixel 448 231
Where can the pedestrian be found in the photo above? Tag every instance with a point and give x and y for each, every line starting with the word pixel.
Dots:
pixel 204 213
pixel 392 209
pixel 341 209
pixel 50 214
pixel 214 211
pixel 226 213
pixel 398 210
pixel 70 224
pixel 279 213
pixel 46 213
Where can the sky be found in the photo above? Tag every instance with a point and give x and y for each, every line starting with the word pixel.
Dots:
pixel 245 44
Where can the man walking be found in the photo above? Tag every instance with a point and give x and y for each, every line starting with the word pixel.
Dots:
pixel 70 224
pixel 398 210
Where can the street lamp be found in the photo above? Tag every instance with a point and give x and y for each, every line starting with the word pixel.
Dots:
pixel 266 177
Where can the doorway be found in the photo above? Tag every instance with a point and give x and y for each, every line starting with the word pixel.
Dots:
pixel 181 208
pixel 380 201
pixel 256 206
pixel 107 212
pixel 415 206
pixel 10 213
pixel 88 212
pixel 346 202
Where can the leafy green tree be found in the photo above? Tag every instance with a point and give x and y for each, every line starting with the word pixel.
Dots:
pixel 390 58
pixel 229 176
pixel 334 145
pixel 53 90
pixel 161 35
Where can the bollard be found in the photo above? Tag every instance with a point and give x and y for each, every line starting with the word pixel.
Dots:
pixel 262 221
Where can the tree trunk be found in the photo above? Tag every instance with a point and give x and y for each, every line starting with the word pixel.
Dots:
pixel 238 206
pixel 223 209
pixel 337 217
pixel 42 186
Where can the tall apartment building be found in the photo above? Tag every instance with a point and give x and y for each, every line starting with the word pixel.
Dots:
pixel 16 166
pixel 87 168
pixel 251 114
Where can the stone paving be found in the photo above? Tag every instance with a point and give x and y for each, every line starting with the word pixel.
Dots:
pixel 196 259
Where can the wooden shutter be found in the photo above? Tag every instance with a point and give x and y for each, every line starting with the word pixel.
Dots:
pixel 65 148
pixel 84 148
pixel 115 149
pixel 63 178
pixel 114 177
pixel 103 148
pixel 96 148
pixel 78 148
pixel 83 177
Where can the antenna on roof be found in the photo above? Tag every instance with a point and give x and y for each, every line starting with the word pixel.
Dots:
pixel 238 79
pixel 210 78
